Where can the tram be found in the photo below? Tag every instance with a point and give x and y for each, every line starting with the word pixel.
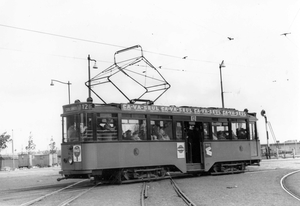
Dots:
pixel 117 142
pixel 113 141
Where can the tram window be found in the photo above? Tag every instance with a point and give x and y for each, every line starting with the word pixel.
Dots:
pixel 252 131
pixel 178 130
pixel 220 130
pixel 134 116
pixel 161 130
pixel 86 127
pixel 107 127
pixel 161 117
pixel 134 129
pixel 72 124
pixel 206 130
pixel 239 130
pixel 65 130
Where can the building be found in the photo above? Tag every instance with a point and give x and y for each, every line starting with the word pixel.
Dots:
pixel 290 148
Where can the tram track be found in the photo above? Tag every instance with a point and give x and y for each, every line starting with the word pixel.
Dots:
pixel 74 192
pixel 145 193
pixel 287 187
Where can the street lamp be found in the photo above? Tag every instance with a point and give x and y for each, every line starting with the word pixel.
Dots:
pixel 68 83
pixel 222 93
pixel 89 73
pixel 12 147
pixel 263 113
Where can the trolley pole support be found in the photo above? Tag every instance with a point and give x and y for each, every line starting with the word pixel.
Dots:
pixel 89 76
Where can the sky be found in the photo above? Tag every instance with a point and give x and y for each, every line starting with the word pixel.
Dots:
pixel 44 40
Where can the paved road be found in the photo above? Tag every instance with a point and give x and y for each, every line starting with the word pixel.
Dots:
pixel 259 186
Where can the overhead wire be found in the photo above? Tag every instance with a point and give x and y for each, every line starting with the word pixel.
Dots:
pixel 107 44
pixel 92 41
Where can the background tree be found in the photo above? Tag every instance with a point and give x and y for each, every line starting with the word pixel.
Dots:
pixel 53 148
pixel 31 146
pixel 4 138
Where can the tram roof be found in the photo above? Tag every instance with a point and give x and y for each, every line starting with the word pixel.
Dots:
pixel 156 109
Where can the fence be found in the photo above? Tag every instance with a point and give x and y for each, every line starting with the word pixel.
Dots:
pixel 8 162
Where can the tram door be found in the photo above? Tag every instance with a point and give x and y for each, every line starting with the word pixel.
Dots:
pixel 193 140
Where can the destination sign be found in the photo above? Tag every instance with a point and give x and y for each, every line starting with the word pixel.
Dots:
pixel 77 107
pixel 183 110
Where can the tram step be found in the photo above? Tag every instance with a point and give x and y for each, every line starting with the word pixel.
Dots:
pixel 194 167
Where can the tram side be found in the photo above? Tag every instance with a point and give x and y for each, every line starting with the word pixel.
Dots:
pixel 126 141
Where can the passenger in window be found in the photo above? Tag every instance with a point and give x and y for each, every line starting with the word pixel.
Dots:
pixel 72 133
pixel 168 129
pixel 221 135
pixel 127 135
pixel 154 132
pixel 142 132
pixel 82 128
pixel 233 135
pixel 242 133
pixel 178 131
pixel 108 126
pixel 135 136
pixel 162 135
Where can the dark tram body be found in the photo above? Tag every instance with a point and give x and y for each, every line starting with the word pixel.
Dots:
pixel 115 142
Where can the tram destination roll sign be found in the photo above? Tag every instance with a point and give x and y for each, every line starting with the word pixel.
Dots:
pixel 183 110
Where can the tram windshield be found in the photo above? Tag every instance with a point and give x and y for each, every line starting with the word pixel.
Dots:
pixel 78 127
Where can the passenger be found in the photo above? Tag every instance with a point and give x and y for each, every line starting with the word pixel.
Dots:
pixel 142 132
pixel 154 132
pixel 72 133
pixel 168 129
pixel 178 131
pixel 221 135
pixel 242 133
pixel 82 128
pixel 107 125
pixel 135 136
pixel 162 135
pixel 233 135
pixel 128 135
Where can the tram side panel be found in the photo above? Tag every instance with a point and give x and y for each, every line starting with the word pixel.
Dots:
pixel 113 155
pixel 255 150
pixel 221 151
